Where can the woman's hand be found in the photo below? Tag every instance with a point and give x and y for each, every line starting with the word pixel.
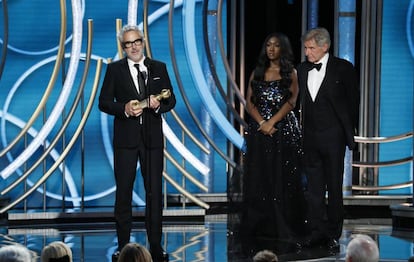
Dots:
pixel 267 128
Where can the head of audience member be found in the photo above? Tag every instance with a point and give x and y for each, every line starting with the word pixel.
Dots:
pixel 15 253
pixel 362 248
pixel 265 256
pixel 56 251
pixel 134 252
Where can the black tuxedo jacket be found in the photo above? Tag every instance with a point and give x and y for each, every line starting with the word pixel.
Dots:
pixel 340 86
pixel 118 89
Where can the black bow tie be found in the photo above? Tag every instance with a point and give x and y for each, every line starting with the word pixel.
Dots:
pixel 317 66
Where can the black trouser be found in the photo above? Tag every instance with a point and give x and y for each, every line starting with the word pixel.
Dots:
pixel 324 167
pixel 125 164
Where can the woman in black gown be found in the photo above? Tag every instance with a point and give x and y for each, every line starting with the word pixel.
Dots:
pixel 273 203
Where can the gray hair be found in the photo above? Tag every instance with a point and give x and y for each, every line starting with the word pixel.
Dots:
pixel 319 34
pixel 362 248
pixel 15 253
pixel 127 28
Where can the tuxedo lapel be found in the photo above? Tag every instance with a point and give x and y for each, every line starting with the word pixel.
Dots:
pixel 324 84
pixel 126 74
pixel 148 63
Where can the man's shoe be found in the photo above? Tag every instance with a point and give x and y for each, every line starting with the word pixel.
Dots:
pixel 161 256
pixel 165 256
pixel 115 256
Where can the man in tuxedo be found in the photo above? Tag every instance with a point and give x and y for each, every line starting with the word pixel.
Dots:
pixel 137 134
pixel 329 108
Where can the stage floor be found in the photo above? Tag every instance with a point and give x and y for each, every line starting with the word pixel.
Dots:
pixel 194 234
pixel 206 240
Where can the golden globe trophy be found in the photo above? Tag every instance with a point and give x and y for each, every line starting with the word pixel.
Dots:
pixel 165 93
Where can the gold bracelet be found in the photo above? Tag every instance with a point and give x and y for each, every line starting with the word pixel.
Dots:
pixel 262 122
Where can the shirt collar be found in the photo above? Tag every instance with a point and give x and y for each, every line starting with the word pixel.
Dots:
pixel 132 63
pixel 323 60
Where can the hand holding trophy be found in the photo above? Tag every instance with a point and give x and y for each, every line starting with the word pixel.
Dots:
pixel 165 93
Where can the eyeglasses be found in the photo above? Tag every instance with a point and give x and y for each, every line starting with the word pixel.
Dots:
pixel 136 42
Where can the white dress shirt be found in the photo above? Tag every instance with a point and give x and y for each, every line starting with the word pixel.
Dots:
pixel 315 77
pixel 134 71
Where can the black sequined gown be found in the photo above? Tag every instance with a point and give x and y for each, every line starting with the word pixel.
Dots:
pixel 273 202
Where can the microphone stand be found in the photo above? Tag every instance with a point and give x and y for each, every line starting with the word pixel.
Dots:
pixel 147 136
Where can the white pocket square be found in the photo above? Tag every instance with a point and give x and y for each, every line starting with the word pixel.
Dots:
pixel 156 78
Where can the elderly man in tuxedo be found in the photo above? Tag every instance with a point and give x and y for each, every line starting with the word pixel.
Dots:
pixel 130 92
pixel 329 97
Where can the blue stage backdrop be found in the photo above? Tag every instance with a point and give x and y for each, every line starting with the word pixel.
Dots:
pixel 396 96
pixel 34 31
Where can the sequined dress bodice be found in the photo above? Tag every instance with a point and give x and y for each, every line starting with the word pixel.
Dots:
pixel 269 97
